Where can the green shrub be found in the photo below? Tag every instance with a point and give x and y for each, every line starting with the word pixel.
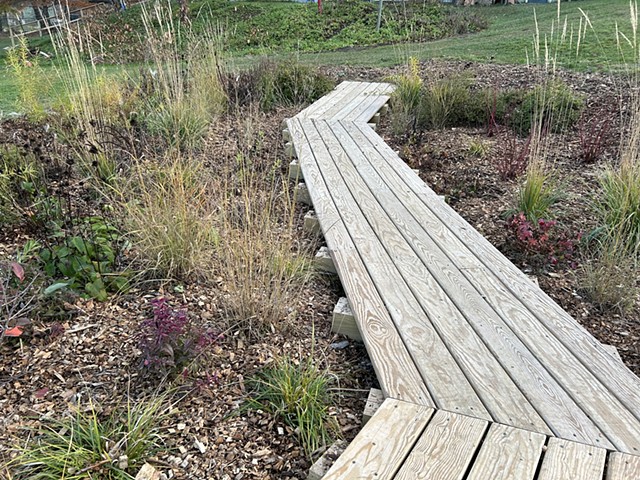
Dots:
pixel 298 393
pixel 87 445
pixel 406 99
pixel 552 105
pixel 289 83
pixel 444 102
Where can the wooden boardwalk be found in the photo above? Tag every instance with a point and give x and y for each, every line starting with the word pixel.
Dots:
pixel 449 323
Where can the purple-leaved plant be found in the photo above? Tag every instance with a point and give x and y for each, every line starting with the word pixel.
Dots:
pixel 543 242
pixel 169 340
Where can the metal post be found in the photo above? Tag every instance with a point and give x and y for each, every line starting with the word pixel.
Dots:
pixel 379 15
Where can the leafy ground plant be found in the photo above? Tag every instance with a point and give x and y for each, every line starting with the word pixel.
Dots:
pixel 169 341
pixel 298 393
pixel 87 445
pixel 85 259
pixel 544 242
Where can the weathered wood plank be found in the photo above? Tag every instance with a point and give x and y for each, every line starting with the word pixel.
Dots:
pixel 591 353
pixel 411 286
pixel 470 285
pixel 623 467
pixel 446 381
pixel 445 449
pixel 566 460
pixel 337 95
pixel 395 369
pixel 597 399
pixel 370 114
pixel 327 109
pixel 383 443
pixel 370 105
pixel 356 103
pixel 508 454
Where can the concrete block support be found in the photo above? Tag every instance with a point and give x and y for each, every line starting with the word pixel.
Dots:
pixel 344 322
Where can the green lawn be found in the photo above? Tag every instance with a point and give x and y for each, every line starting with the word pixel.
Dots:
pixel 508 39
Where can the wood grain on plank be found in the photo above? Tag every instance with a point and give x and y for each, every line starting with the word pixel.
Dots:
pixel 598 401
pixel 508 453
pixel 536 360
pixel 565 460
pixel 373 107
pixel 355 103
pixel 447 383
pixel 445 449
pixel 371 104
pixel 623 467
pixel 591 353
pixel 343 91
pixel 394 366
pixel 346 95
pixel 415 286
pixel 384 442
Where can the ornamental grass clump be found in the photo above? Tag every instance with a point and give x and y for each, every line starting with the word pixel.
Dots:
pixel 405 100
pixel 87 444
pixel 297 392
pixel 169 211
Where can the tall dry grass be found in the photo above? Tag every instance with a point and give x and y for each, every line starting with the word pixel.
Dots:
pixel 185 77
pixel 609 275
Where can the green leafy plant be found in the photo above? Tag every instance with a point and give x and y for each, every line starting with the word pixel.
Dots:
pixel 298 393
pixel 552 105
pixel 289 83
pixel 88 445
pixel 86 260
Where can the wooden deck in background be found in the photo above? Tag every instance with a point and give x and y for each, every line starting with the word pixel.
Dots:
pixel 453 329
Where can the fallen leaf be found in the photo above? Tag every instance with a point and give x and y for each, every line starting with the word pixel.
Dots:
pixel 13 332
pixel 17 269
